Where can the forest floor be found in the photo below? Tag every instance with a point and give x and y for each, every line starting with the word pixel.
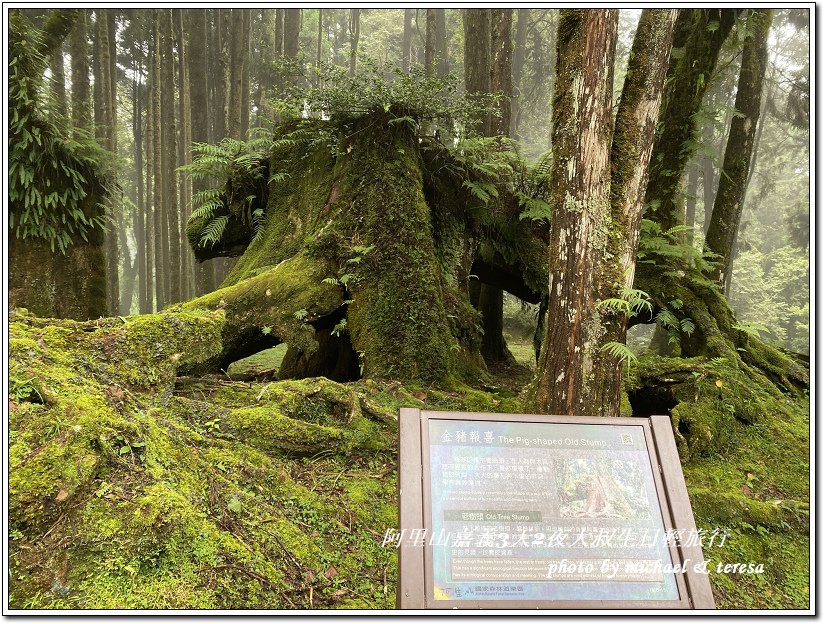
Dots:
pixel 131 487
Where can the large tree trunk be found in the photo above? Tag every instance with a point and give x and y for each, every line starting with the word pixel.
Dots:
pixel 580 195
pixel 441 43
pixel 406 42
pixel 478 60
pixel 632 141
pixel 58 83
pixel 700 33
pixel 429 52
pixel 198 87
pixel 236 45
pixel 161 253
pixel 597 180
pixel 729 202
pixel 501 79
pixel 108 117
pixel 169 156
pixel 79 50
pixel 389 287
pixel 149 251
pixel 139 214
pixel 518 62
pixel 354 36
pixel 184 151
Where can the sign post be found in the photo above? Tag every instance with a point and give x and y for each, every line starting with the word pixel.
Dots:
pixel 531 511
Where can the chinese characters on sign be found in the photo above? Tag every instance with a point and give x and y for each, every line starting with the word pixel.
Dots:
pixel 568 511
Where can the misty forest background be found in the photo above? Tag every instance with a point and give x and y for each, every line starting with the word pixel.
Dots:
pixel 159 81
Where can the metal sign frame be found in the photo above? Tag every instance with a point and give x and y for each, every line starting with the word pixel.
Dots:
pixel 415 574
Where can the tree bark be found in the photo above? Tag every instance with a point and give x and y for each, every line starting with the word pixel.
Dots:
pixel 441 43
pixel 632 143
pixel 79 50
pixel 236 73
pixel 199 120
pixel 161 250
pixel 58 83
pixel 139 214
pixel 184 151
pixel 478 61
pixel 169 156
pixel 501 79
pixel 246 67
pixel 729 202
pixel 354 36
pixel 291 33
pixel 700 33
pixel 148 251
pixel 708 172
pixel 518 62
pixel 692 200
pixel 109 133
pixel 580 182
pixel 406 42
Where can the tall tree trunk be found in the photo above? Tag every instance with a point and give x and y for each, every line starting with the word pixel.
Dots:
pixel 441 43
pixel 169 157
pixel 58 82
pixel 692 200
pixel 580 183
pixel 149 251
pixel 291 33
pixel 279 15
pixel 501 77
pixel 199 123
pixel 729 202
pixel 139 214
pixel 79 50
pixel 597 180
pixel 246 68
pixel 700 33
pixel 354 36
pixel 708 170
pixel 109 135
pixel 477 60
pixel 518 62
pixel 237 43
pixel 184 153
pixel 429 53
pixel 491 298
pixel 406 42
pixel 319 55
pixel 161 256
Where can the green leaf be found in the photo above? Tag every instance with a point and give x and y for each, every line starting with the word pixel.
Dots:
pixel 234 505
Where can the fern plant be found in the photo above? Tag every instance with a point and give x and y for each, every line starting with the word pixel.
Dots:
pixel 532 189
pixel 226 164
pixel 52 173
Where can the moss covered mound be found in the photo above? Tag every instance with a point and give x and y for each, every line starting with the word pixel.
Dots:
pixel 134 487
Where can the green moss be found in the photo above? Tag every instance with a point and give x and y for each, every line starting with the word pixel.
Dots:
pixel 208 493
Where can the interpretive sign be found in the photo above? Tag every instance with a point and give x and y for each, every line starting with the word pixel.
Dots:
pixel 529 511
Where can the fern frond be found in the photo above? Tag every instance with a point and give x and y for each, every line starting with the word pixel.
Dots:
pixel 214 231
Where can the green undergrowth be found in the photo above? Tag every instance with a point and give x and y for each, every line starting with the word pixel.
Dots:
pixel 745 454
pixel 133 487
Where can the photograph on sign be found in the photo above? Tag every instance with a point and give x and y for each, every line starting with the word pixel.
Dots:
pixel 545 511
